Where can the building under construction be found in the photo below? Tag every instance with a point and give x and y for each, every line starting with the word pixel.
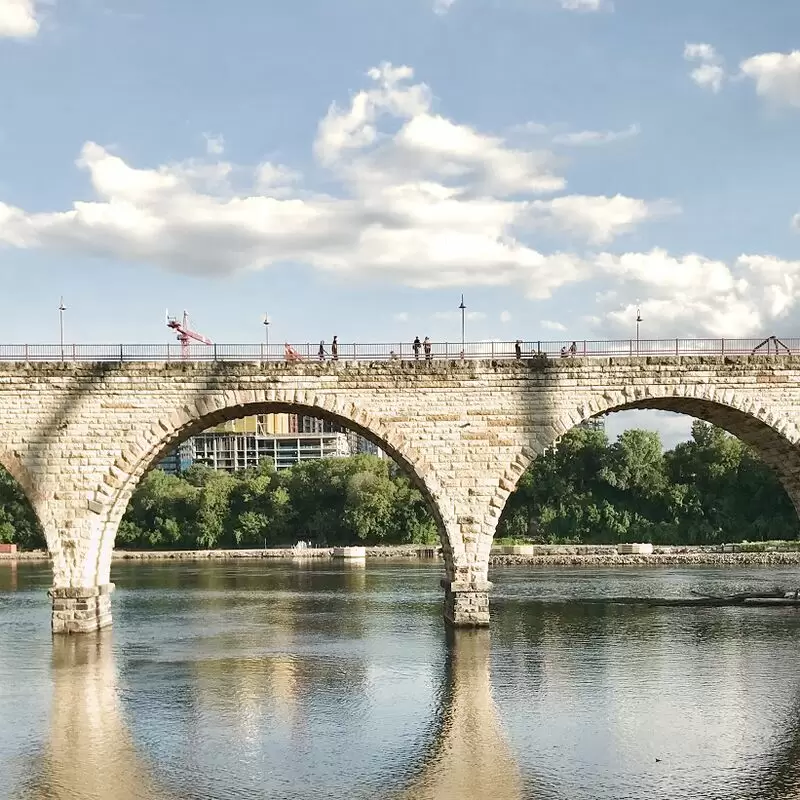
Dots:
pixel 285 438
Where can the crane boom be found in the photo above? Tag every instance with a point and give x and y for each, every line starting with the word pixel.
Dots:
pixel 185 333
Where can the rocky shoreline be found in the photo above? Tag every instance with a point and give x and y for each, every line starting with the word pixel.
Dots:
pixel 655 559
pixel 541 555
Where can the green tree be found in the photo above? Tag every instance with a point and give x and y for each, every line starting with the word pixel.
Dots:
pixel 18 522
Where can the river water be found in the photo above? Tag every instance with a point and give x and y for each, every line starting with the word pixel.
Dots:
pixel 307 680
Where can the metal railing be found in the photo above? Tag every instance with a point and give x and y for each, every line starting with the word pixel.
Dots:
pixel 400 351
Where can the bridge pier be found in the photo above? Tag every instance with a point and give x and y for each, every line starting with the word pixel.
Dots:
pixel 81 610
pixel 466 604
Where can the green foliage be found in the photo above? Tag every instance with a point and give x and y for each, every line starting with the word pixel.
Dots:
pixel 708 490
pixel 361 499
pixel 18 523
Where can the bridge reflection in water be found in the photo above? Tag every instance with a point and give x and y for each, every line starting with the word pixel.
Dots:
pixel 470 759
pixel 91 755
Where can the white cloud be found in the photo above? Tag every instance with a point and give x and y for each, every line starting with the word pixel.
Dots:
pixel 550 325
pixel 431 203
pixel 584 5
pixel 710 72
pixel 583 138
pixel 18 19
pixel 421 200
pixel 696 296
pixel 275 179
pixel 215 144
pixel 400 316
pixel 776 76
pixel 699 52
pixel 505 317
pixel 442 6
pixel 796 221
pixel 597 219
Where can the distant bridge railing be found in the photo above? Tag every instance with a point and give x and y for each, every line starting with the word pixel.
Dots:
pixel 440 351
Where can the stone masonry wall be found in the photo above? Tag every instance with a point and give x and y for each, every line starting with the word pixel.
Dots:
pixel 78 437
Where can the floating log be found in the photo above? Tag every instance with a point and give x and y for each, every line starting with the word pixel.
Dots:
pixel 773 598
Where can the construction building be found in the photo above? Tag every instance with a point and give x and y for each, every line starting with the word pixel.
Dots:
pixel 285 438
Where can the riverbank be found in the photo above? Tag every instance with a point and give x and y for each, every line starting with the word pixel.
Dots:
pixel 285 553
pixel 783 554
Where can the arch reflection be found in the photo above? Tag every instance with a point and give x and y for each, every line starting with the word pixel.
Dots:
pixel 90 754
pixel 470 759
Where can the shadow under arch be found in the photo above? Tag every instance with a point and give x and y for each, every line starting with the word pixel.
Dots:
pixel 771 434
pixel 111 498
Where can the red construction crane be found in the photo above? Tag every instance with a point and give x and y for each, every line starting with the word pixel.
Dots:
pixel 185 333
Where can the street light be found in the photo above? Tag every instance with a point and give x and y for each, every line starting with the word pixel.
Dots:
pixel 61 309
pixel 638 323
pixel 463 309
pixel 265 320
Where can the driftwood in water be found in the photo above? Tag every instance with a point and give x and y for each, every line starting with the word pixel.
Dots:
pixel 775 597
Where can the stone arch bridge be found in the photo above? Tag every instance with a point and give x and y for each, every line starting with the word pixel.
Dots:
pixel 79 436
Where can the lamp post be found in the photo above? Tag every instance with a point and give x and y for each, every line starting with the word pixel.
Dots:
pixel 463 317
pixel 638 323
pixel 266 329
pixel 61 309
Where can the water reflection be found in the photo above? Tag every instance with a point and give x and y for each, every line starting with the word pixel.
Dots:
pixel 89 754
pixel 240 681
pixel 470 759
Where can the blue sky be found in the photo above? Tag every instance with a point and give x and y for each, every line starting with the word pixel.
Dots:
pixel 352 167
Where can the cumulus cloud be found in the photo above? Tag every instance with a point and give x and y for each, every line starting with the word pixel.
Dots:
pixel 505 317
pixel 584 138
pixel 18 19
pixel 693 295
pixel 423 200
pixel 417 199
pixel 776 76
pixel 400 316
pixel 710 71
pixel 598 220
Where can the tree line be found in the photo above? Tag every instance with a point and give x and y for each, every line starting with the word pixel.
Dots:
pixel 710 489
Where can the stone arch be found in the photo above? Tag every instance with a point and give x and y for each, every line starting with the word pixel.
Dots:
pixel 773 435
pixel 111 497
